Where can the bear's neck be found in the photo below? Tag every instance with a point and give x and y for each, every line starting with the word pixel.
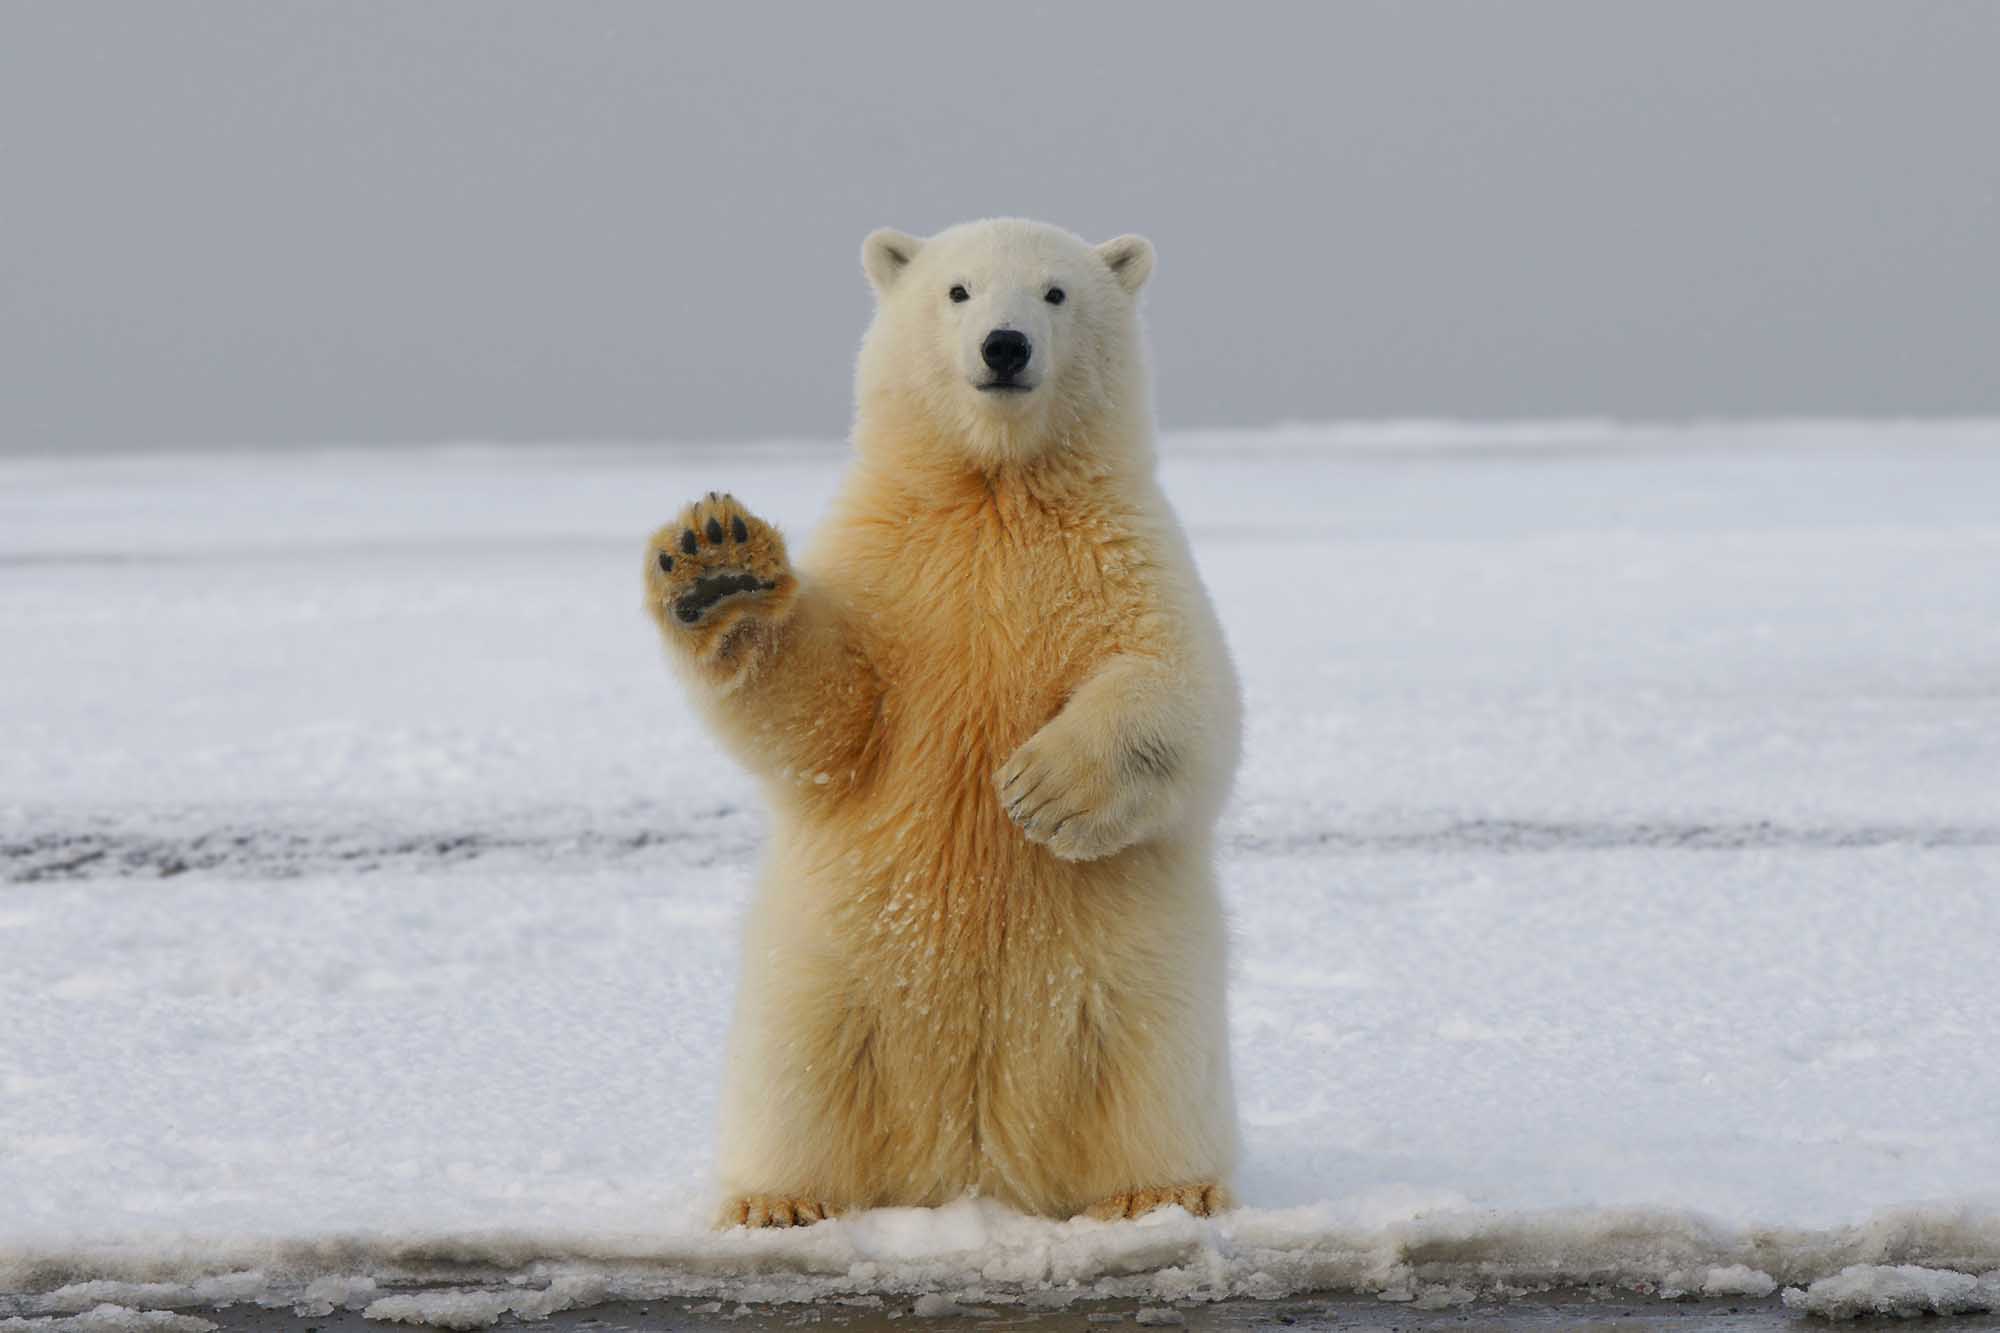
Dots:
pixel 901 444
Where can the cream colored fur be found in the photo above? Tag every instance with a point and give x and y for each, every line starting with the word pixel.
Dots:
pixel 995 719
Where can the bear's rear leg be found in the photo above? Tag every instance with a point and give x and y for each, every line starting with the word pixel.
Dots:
pixel 1203 1200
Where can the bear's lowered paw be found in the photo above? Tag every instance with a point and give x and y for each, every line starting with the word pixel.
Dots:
pixel 1067 798
pixel 1201 1200
pixel 715 568
pixel 773 1210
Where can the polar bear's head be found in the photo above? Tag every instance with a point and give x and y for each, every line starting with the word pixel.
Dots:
pixel 1004 338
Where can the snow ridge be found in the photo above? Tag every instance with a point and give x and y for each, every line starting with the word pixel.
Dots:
pixel 975 1251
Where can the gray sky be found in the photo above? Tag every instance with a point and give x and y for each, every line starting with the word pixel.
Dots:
pixel 228 223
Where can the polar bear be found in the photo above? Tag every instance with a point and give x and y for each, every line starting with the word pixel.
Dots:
pixel 995 719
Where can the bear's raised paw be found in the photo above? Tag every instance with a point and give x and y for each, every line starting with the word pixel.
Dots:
pixel 715 567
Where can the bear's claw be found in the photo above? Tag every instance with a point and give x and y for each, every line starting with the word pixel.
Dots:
pixel 1062 797
pixel 1201 1200
pixel 774 1210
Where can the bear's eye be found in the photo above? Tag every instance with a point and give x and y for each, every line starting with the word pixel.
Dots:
pixel 1056 296
pixel 959 294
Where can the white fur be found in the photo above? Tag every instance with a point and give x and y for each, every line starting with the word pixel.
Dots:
pixel 1088 360
pixel 946 986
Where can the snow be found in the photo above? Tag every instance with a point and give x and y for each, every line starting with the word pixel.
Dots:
pixel 324 1295
pixel 1613 874
pixel 1904 1291
pixel 111 1319
pixel 1737 1280
pixel 479 1309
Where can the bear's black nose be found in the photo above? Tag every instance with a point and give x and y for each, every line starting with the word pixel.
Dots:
pixel 1006 352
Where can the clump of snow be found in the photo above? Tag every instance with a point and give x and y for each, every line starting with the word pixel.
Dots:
pixel 208 1289
pixel 1900 1291
pixel 480 1309
pixel 345 1291
pixel 1158 1315
pixel 1718 1280
pixel 444 1309
pixel 109 1318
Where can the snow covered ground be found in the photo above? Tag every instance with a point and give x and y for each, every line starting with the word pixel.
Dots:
pixel 1615 870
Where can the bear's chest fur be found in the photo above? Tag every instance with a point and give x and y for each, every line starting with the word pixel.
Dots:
pixel 980 613
pixel 985 613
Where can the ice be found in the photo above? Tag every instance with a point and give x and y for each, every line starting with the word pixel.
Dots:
pixel 324 1295
pixel 214 1289
pixel 1904 1291
pixel 1612 877
pixel 479 1309
pixel 111 1319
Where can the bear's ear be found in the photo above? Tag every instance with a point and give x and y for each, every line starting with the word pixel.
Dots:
pixel 885 254
pixel 1130 259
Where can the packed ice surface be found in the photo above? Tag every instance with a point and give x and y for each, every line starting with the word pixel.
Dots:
pixel 1614 871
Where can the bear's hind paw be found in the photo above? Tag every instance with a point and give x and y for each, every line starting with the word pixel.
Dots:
pixel 1201 1200
pixel 774 1210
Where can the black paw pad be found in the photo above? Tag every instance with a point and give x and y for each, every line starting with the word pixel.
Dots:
pixel 714 531
pixel 738 530
pixel 712 588
pixel 687 541
pixel 666 563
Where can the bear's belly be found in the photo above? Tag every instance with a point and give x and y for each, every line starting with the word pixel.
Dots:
pixel 959 917
pixel 1001 987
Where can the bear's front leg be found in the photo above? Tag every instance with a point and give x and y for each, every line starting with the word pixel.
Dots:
pixel 1112 769
pixel 770 656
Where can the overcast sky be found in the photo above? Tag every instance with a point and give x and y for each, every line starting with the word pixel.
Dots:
pixel 229 223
